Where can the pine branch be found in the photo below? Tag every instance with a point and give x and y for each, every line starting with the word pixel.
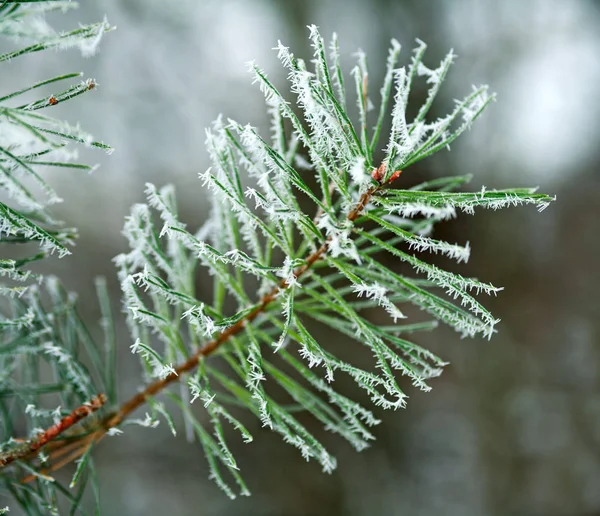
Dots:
pixel 42 333
pixel 320 263
pixel 189 365
pixel 74 449
pixel 238 240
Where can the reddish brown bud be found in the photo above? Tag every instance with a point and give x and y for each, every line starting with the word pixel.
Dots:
pixel 378 173
pixel 394 176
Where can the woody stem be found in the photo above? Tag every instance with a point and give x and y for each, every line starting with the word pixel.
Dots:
pixel 191 363
pixel 114 419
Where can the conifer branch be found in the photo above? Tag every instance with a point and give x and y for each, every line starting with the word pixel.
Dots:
pixel 115 419
pixel 207 349
pixel 320 263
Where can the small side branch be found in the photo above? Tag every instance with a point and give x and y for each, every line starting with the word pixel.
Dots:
pixel 32 446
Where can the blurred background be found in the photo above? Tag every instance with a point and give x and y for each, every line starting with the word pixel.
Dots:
pixel 512 427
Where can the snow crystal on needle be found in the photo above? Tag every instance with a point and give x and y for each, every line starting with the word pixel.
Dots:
pixel 339 239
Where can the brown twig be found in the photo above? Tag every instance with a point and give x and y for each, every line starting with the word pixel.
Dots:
pixel 114 419
pixel 32 446
pixel 226 334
